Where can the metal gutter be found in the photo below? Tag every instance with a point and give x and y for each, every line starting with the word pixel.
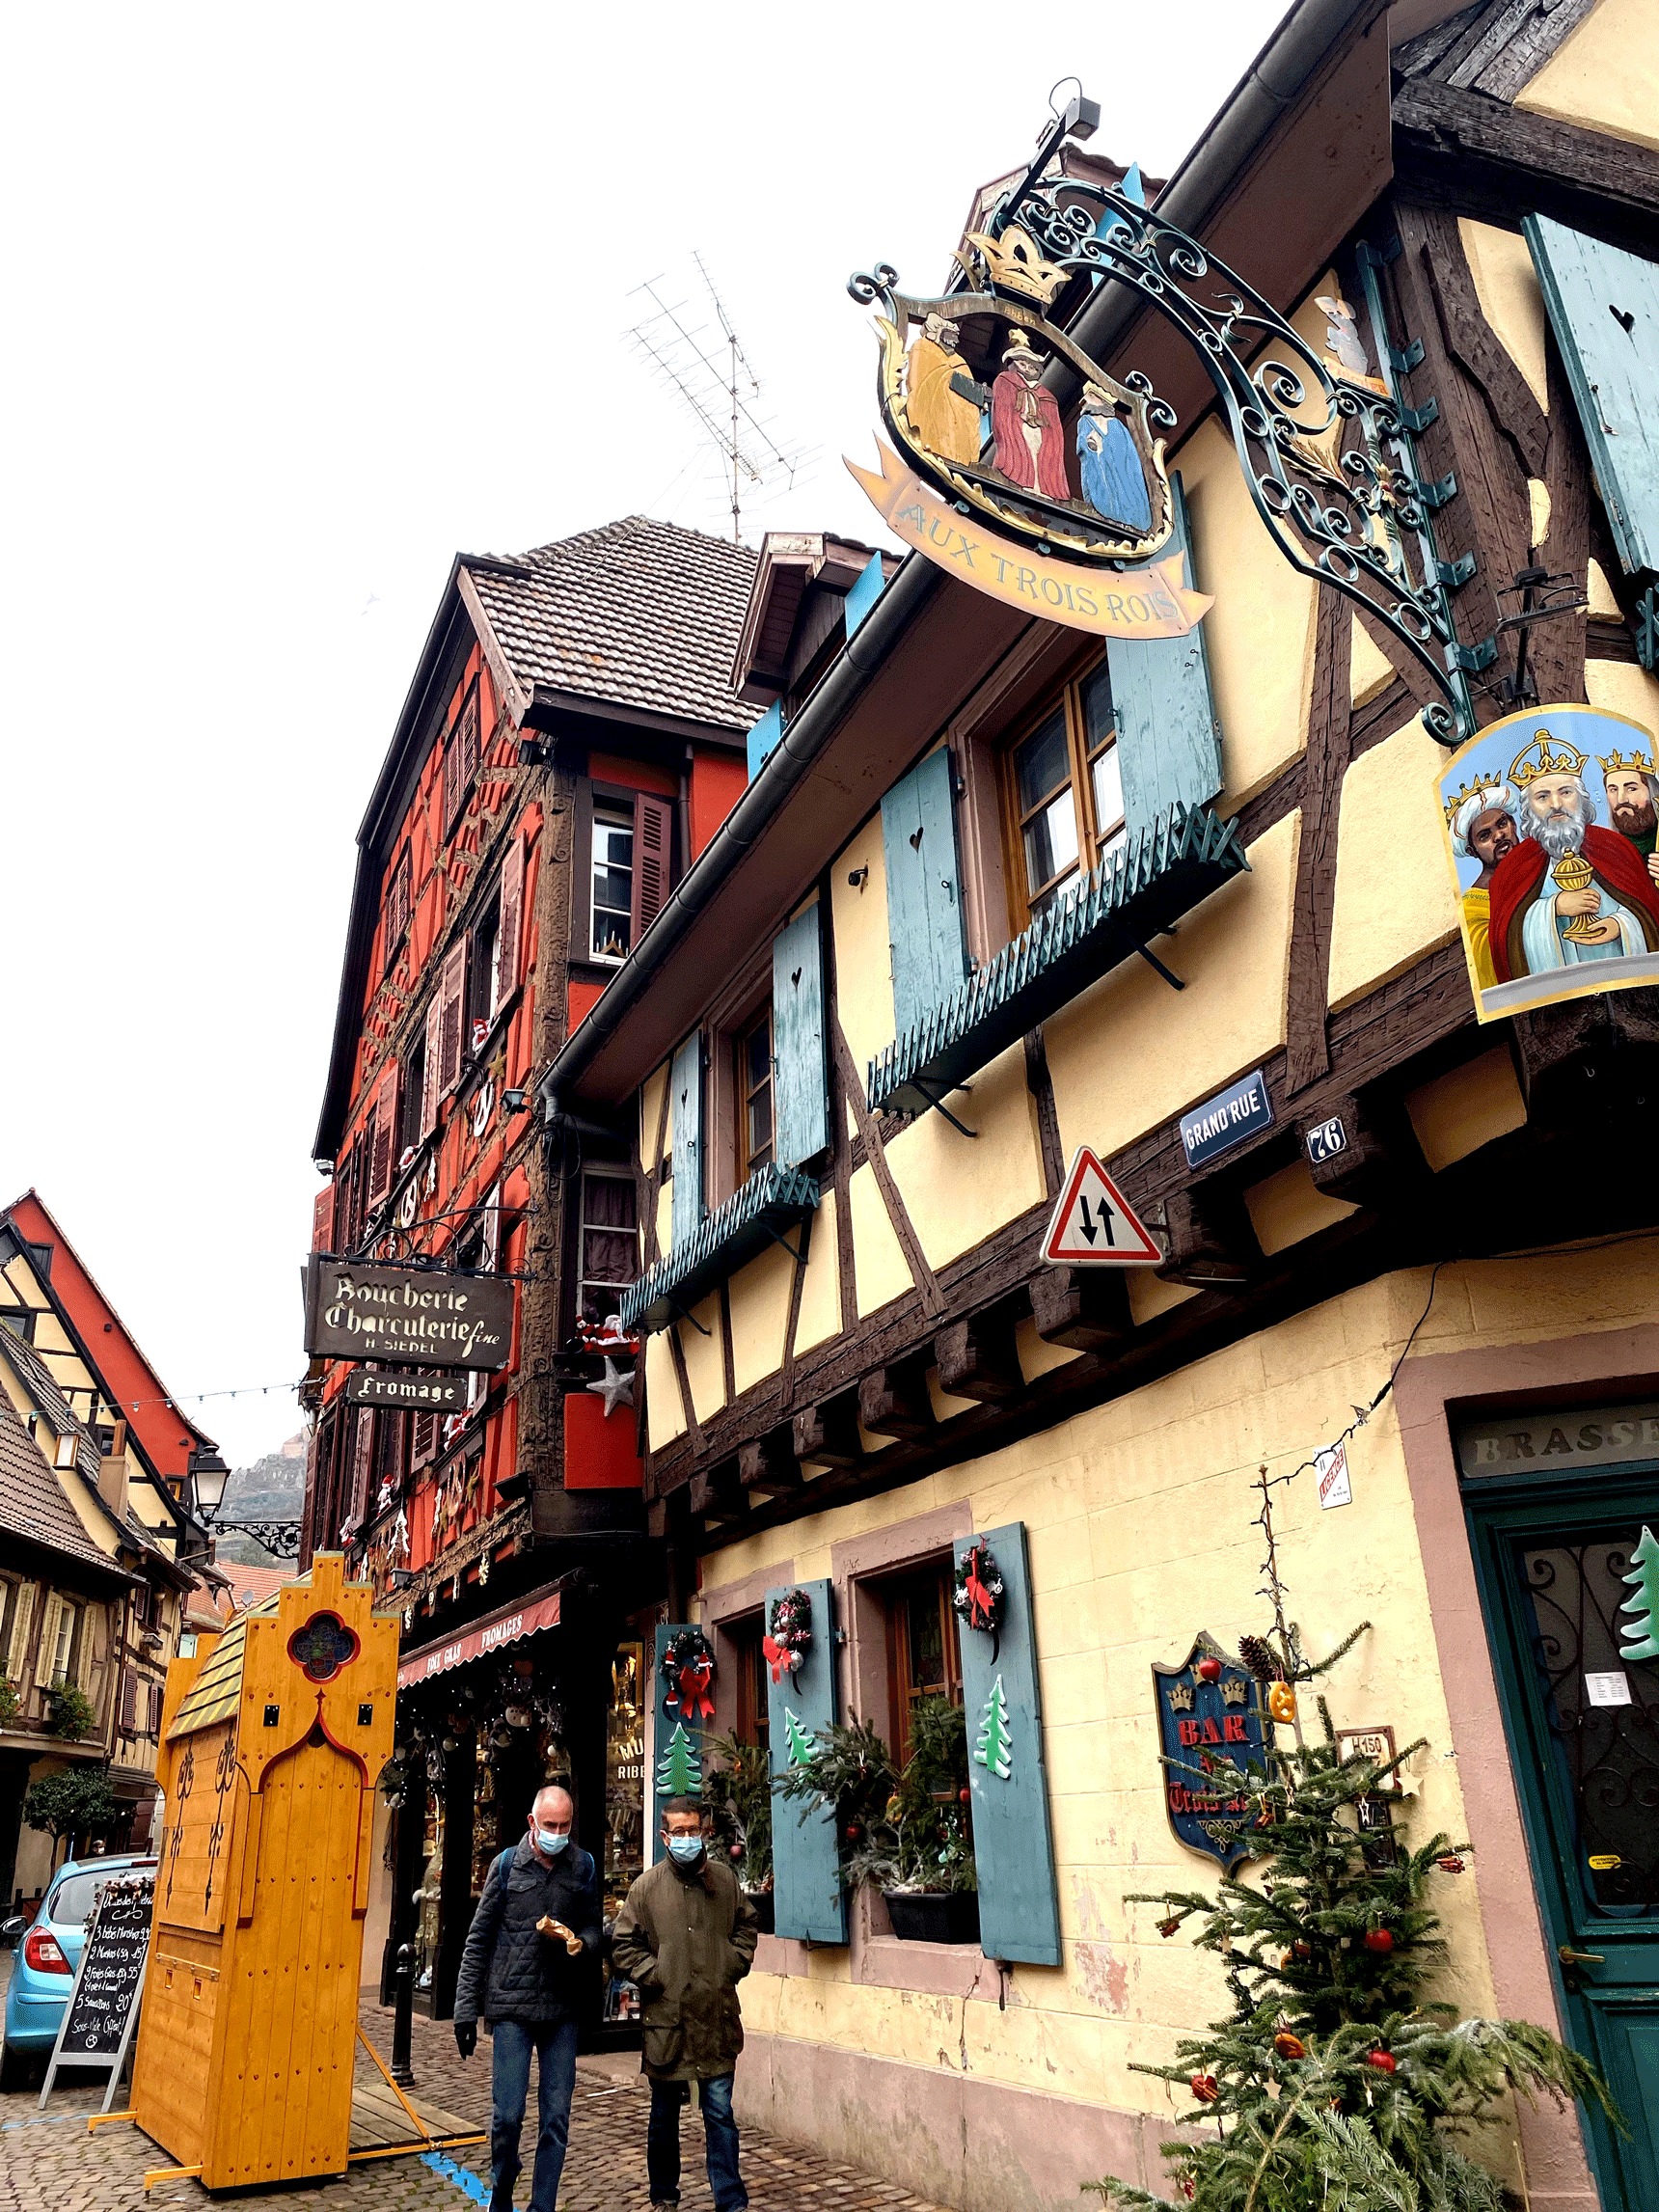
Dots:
pixel 803 739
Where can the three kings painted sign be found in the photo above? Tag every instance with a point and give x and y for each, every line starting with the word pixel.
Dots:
pixel 990 480
pixel 1212 1730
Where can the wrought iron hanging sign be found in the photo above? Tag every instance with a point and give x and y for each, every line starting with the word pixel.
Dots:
pixel 1062 505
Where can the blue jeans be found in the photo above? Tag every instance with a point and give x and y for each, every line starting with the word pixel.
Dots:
pixel 554 2041
pixel 663 2143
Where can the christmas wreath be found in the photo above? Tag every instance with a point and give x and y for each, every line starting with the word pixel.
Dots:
pixel 980 1593
pixel 687 1669
pixel 786 1643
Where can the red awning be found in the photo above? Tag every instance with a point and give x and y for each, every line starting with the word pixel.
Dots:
pixel 506 1627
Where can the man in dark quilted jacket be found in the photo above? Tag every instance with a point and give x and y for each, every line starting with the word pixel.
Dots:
pixel 687 1937
pixel 536 1925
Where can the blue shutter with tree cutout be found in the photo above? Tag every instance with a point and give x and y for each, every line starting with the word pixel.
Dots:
pixel 1604 309
pixel 924 890
pixel 809 1903
pixel 1169 741
pixel 686 1104
pixel 1013 1840
pixel 799 1090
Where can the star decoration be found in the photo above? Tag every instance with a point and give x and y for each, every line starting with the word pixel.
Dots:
pixel 614 1387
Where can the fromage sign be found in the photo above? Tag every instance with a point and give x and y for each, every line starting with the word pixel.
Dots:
pixel 407 1315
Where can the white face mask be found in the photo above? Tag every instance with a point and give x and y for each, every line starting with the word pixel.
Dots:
pixel 546 1841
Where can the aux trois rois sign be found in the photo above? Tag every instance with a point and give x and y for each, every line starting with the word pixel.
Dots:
pixel 407 1315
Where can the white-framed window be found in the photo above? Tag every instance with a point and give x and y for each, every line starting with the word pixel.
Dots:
pixel 63 1617
pixel 611 931
pixel 610 1242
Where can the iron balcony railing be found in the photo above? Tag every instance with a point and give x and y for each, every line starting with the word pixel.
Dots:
pixel 771 1201
pixel 1158 875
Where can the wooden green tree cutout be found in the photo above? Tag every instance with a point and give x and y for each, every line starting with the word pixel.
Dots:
pixel 680 1769
pixel 799 1739
pixel 994 1748
pixel 1639 1635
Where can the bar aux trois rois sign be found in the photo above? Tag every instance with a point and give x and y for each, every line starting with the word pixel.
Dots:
pixel 1069 515
pixel 407 1315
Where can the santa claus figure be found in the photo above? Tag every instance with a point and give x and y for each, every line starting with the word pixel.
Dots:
pixel 1570 892
pixel 1025 425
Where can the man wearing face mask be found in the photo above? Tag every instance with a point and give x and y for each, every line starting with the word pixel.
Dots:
pixel 536 1925
pixel 686 1937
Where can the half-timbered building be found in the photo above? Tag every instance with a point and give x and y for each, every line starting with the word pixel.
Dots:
pixel 997 891
pixel 569 744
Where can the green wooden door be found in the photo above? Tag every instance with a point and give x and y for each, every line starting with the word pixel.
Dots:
pixel 1583 1722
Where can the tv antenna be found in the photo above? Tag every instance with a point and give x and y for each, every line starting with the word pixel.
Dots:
pixel 707 368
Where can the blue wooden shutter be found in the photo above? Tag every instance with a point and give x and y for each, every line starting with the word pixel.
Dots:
pixel 810 1903
pixel 865 592
pixel 686 1096
pixel 1169 741
pixel 1013 1841
pixel 662 1734
pixel 1604 309
pixel 763 738
pixel 924 890
pixel 801 1093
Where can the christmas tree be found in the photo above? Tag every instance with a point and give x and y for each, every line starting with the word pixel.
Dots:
pixel 1336 2080
pixel 1642 1630
pixel 799 1739
pixel 994 1747
pixel 680 1769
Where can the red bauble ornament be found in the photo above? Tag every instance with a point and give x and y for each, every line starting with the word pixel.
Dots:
pixel 1209 1670
pixel 1289 2046
pixel 1450 1863
pixel 1382 2060
pixel 1205 2089
pixel 965 1795
pixel 1379 1940
pixel 737 1850
pixel 854 1831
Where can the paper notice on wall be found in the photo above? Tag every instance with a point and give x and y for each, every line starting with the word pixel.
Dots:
pixel 1609 1689
pixel 1331 1468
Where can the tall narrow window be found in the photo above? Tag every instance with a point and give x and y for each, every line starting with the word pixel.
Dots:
pixel 1066 794
pixel 612 880
pixel 755 1125
pixel 610 1243
pixel 753 1719
pixel 921 1644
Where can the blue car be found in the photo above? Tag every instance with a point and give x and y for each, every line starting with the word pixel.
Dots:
pixel 43 1969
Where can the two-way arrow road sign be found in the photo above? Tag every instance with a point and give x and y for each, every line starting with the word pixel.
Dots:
pixel 1094 1225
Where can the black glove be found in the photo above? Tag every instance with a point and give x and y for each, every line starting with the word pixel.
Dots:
pixel 466 2037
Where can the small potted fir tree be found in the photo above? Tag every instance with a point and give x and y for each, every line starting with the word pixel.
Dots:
pixel 737 1796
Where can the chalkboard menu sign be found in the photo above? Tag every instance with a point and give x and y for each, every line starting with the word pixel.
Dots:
pixel 102 2010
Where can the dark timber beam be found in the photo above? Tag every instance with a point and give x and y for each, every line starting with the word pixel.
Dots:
pixel 894 1402
pixel 977 1359
pixel 717 1495
pixel 1087 1308
pixel 1588 1058
pixel 829 1434
pixel 1212 1245
pixel 1364 1167
pixel 768 1465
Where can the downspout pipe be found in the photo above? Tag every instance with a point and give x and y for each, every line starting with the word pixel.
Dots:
pixel 845 683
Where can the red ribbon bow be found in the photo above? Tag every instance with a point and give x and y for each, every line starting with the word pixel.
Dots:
pixel 779 1656
pixel 692 1699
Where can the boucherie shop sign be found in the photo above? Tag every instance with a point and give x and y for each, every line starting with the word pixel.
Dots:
pixel 407 1315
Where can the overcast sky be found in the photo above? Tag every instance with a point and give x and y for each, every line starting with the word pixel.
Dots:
pixel 300 302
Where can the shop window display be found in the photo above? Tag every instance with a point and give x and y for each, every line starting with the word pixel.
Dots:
pixel 624 1805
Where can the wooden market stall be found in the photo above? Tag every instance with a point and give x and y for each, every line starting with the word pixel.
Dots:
pixel 272 1739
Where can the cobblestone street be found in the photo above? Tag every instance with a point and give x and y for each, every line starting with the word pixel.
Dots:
pixel 49 2163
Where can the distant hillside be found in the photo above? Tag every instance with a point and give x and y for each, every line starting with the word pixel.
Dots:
pixel 272 1488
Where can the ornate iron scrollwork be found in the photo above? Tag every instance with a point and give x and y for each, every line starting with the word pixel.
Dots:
pixel 1344 508
pixel 280 1538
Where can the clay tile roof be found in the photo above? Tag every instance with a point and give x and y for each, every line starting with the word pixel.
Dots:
pixel 32 1501
pixel 638 613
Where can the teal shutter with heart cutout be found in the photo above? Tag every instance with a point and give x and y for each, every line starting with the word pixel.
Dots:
pixel 924 890
pixel 1169 740
pixel 686 1104
pixel 801 1091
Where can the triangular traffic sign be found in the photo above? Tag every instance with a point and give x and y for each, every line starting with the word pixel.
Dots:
pixel 1094 1225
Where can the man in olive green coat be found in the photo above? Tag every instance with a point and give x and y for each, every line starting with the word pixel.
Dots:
pixel 686 1937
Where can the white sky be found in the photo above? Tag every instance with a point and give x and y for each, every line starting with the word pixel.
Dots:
pixel 300 302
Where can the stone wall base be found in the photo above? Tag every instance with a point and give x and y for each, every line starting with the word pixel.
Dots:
pixel 956 2139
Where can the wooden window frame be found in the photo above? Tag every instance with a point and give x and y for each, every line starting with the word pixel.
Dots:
pixel 618 802
pixel 744 1093
pixel 399 905
pixel 1093 839
pixel 751 1718
pixel 461 755
pixel 599 1170
pixel 904 1689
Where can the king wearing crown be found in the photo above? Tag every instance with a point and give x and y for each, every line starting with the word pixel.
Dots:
pixel 1570 892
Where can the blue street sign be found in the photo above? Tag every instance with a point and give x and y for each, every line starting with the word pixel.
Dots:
pixel 1227 1119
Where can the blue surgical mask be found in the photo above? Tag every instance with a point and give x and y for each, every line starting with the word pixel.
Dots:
pixel 688 1849
pixel 547 1841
